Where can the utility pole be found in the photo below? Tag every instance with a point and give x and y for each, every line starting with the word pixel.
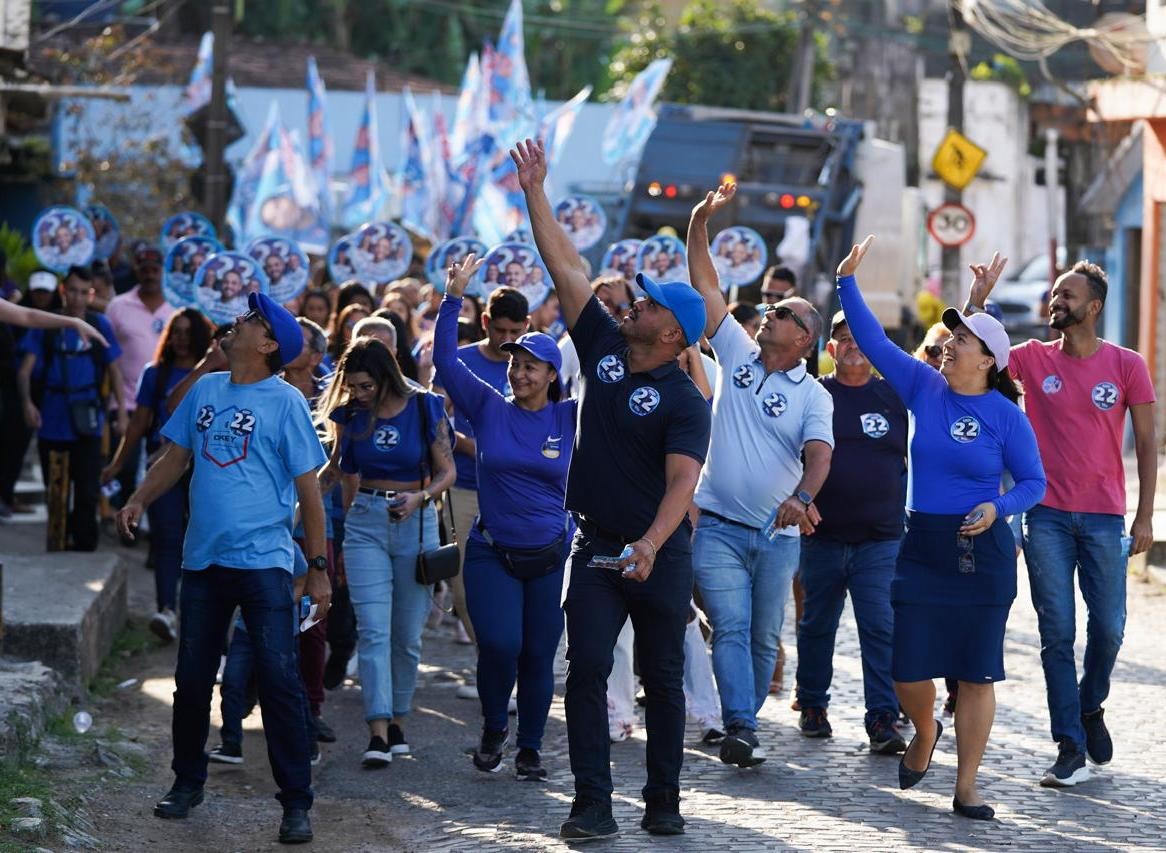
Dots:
pixel 801 78
pixel 216 173
pixel 959 45
pixel 1053 208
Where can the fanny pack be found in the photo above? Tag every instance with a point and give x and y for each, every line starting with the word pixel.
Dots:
pixel 528 563
pixel 85 417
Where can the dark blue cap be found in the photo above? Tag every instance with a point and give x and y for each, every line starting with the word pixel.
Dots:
pixel 682 300
pixel 539 344
pixel 284 327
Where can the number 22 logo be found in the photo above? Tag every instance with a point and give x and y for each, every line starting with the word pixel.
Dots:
pixel 243 423
pixel 965 429
pixel 1104 395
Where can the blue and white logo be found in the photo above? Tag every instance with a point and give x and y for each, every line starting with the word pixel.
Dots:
pixel 1104 395
pixel 644 400
pixel 1052 384
pixel 386 438
pixel 775 405
pixel 874 425
pixel 158 325
pixel 205 417
pixel 243 423
pixel 610 369
pixel 966 429
pixel 743 376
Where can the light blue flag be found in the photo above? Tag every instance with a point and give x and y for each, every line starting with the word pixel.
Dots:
pixel 320 148
pixel 633 120
pixel 249 173
pixel 368 188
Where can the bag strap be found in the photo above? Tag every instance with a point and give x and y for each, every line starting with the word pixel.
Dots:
pixel 426 466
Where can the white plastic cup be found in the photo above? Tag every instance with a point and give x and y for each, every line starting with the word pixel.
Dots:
pixel 82 722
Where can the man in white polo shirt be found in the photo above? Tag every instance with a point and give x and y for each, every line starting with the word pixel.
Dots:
pixel 767 412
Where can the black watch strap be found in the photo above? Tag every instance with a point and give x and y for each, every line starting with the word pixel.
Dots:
pixel 320 563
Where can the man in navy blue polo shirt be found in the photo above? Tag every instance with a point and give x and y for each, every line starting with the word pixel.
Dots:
pixel 854 547
pixel 643 434
pixel 249 438
pixel 768 413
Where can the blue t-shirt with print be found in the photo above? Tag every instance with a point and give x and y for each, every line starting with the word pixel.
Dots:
pixel 493 373
pixel 390 448
pixel 153 389
pixel 248 444
pixel 68 374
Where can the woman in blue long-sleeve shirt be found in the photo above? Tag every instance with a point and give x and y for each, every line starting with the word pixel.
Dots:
pixel 520 542
pixel 956 575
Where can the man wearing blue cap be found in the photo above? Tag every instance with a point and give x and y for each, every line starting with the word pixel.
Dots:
pixel 755 492
pixel 255 452
pixel 642 438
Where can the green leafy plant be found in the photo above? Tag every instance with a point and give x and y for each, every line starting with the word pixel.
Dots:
pixel 21 259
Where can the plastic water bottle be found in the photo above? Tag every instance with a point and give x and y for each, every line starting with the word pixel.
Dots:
pixel 111 488
pixel 82 722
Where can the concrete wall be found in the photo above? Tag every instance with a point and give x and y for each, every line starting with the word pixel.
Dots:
pixel 1127 217
pixel 1010 209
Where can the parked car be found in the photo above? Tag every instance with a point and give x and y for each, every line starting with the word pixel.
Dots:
pixel 1022 297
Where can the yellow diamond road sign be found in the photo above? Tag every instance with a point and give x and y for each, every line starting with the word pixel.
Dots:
pixel 957 159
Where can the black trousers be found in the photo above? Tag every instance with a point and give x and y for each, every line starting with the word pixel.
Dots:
pixel 597 602
pixel 84 478
pixel 14 437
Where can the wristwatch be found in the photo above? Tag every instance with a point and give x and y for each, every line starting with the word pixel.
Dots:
pixel 320 563
pixel 805 497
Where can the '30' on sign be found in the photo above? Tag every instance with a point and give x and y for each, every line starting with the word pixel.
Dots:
pixel 951 225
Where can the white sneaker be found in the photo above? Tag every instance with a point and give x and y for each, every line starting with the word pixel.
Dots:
pixel 164 624
pixel 462 637
pixel 467 691
pixel 512 706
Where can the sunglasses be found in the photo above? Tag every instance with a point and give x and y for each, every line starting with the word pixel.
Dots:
pixel 784 312
pixel 967 559
pixel 774 295
pixel 933 351
pixel 255 317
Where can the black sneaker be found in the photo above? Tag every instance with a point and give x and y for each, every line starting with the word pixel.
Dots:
pixel 378 753
pixel 324 732
pixel 589 821
pixel 227 753
pixel 1070 768
pixel 528 766
pixel 712 737
pixel 315 759
pixel 1098 743
pixel 488 756
pixel 662 815
pixel 884 737
pixel 740 747
pixel 177 803
pixel 296 827
pixel 335 669
pixel 396 740
pixel 813 723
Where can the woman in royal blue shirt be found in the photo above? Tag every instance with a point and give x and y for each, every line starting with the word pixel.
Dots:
pixel 184 340
pixel 955 579
pixel 520 542
pixel 393 434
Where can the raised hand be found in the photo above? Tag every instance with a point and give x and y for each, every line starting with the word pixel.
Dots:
pixel 984 278
pixel 851 262
pixel 530 158
pixel 458 276
pixel 714 201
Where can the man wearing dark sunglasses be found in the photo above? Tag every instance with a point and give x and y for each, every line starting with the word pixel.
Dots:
pixel 254 451
pixel 755 493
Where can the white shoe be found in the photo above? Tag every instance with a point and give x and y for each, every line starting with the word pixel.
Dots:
pixel 512 706
pixel 467 691
pixel 164 624
pixel 462 637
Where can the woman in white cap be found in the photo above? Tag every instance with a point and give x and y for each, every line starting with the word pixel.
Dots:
pixel 955 579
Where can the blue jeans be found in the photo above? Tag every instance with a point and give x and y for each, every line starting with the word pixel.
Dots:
pixel 744 580
pixel 597 603
pixel 380 558
pixel 1055 544
pixel 236 698
pixel 829 570
pixel 209 599
pixel 167 529
pixel 518 624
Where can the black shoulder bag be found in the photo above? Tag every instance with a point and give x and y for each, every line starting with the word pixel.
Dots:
pixel 444 561
pixel 84 415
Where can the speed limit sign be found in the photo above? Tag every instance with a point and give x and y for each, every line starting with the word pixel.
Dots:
pixel 951 225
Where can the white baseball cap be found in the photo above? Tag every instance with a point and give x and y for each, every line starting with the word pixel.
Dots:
pixel 41 280
pixel 985 327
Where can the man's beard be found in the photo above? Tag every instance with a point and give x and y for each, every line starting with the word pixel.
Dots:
pixel 1066 319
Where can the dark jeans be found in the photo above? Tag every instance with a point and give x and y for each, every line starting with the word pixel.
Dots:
pixel 341 622
pixel 518 624
pixel 237 692
pixel 209 599
pixel 14 437
pixel 168 516
pixel 597 603
pixel 84 476
pixel 313 648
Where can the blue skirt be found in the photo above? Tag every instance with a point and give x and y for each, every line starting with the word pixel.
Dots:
pixel 951 603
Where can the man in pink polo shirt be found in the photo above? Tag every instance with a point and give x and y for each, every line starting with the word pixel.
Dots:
pixel 138 317
pixel 1077 392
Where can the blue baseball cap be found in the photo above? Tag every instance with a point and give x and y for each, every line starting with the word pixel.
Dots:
pixel 682 300
pixel 539 344
pixel 284 327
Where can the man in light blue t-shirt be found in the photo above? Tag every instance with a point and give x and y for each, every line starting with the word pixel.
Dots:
pixel 768 412
pixel 254 451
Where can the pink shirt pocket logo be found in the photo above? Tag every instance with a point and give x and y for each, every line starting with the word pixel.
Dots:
pixel 1052 384
pixel 1104 395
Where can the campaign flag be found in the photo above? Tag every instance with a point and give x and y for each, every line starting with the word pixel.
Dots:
pixel 500 207
pixel 510 102
pixel 556 126
pixel 440 162
pixel 320 150
pixel 368 183
pixel 414 178
pixel 465 179
pixel 467 115
pixel 633 120
pixel 250 171
pixel 198 90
